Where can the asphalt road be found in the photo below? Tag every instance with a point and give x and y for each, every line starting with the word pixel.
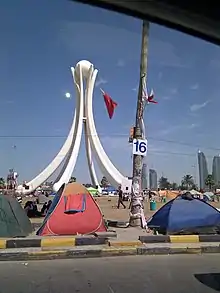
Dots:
pixel 151 274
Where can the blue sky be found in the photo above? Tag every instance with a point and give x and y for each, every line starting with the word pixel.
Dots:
pixel 40 40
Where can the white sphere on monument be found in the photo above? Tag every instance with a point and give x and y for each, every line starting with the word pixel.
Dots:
pixel 85 66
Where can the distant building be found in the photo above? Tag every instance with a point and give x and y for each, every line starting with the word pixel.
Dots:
pixel 152 179
pixel 216 170
pixel 203 170
pixel 144 176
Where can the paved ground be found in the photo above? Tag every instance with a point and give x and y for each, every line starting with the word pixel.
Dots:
pixel 153 274
pixel 130 234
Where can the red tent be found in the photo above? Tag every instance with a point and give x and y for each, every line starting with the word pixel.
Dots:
pixel 72 212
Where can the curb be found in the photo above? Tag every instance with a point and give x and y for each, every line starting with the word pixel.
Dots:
pixel 58 241
pixel 179 238
pixel 102 239
pixel 117 224
pixel 134 244
pixel 104 252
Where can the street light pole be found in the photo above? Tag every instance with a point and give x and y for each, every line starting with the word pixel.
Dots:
pixel 136 197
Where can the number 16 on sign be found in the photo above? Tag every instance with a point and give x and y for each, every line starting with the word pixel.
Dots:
pixel 140 147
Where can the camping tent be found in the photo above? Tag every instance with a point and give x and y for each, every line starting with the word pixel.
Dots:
pixel 208 196
pixel 13 219
pixel 93 191
pixel 185 215
pixel 73 211
pixel 194 192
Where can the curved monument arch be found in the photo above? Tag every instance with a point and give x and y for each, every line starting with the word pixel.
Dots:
pixel 84 72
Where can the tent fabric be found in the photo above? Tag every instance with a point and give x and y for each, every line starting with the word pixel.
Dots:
pixel 184 214
pixel 76 205
pixel 73 211
pixel 208 196
pixel 194 192
pixel 13 219
pixel 93 191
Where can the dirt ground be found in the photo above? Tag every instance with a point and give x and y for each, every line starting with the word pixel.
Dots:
pixel 109 210
pixel 108 207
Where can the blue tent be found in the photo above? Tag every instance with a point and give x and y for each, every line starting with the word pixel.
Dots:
pixel 185 214
pixel 110 189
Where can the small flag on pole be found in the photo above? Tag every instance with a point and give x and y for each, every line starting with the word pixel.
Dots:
pixel 110 104
pixel 149 98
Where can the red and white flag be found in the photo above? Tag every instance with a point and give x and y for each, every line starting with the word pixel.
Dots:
pixel 149 98
pixel 110 104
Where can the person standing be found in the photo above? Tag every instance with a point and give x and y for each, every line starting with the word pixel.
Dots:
pixel 120 198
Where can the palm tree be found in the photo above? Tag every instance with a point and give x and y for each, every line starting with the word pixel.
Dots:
pixel 136 196
pixel 188 181
pixel 210 181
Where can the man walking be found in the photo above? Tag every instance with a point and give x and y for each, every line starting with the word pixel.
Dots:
pixel 120 198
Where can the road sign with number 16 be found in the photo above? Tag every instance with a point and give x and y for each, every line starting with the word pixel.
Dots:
pixel 140 147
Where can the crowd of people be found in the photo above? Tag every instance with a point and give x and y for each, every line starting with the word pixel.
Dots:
pixel 32 211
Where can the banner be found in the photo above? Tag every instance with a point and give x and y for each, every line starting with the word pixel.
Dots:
pixel 131 135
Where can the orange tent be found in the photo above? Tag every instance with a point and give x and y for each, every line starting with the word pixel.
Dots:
pixel 72 212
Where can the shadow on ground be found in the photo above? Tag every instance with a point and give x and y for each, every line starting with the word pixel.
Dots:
pixel 211 280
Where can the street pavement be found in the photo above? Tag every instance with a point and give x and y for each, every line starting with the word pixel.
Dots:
pixel 151 274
